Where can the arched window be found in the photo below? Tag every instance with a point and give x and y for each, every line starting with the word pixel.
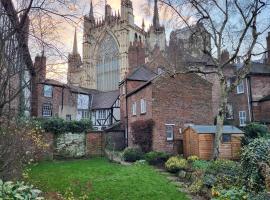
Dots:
pixel 108 68
pixel 136 37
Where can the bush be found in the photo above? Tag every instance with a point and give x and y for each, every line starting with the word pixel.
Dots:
pixel 21 142
pixel 156 158
pixel 223 167
pixel 254 156
pixel 200 164
pixel 10 190
pixel 132 154
pixel 254 130
pixel 196 186
pixel 143 132
pixel 174 164
pixel 191 159
pixel 230 194
pixel 58 125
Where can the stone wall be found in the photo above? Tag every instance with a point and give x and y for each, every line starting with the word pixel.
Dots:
pixel 70 145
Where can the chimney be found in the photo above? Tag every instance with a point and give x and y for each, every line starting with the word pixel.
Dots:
pixel 40 76
pixel 40 68
pixel 268 48
pixel 136 55
pixel 225 56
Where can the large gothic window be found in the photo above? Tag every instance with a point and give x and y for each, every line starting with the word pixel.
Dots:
pixel 108 69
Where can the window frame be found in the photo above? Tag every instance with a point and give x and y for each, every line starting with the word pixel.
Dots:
pixel 143 106
pixel 241 118
pixel 44 93
pixel 227 141
pixel 241 84
pixel 51 109
pixel 172 133
pixel 134 109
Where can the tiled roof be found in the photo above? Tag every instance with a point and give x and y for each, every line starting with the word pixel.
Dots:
pixel 212 129
pixel 260 68
pixel 105 100
pixel 266 98
pixel 142 73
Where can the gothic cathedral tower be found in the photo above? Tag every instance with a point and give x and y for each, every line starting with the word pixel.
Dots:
pixel 106 42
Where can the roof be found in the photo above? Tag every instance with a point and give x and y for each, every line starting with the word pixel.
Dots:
pixel 212 129
pixel 141 73
pixel 266 98
pixel 105 100
pixel 260 68
pixel 256 68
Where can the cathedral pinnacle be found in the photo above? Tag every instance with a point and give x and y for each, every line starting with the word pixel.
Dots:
pixel 75 46
pixel 156 23
pixel 91 13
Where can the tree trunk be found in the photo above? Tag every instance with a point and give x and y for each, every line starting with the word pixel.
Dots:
pixel 220 120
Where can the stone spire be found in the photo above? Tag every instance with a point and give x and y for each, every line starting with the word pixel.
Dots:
pixel 75 46
pixel 143 24
pixel 91 13
pixel 156 23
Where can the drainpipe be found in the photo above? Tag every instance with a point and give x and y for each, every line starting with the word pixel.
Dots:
pixel 249 98
pixel 126 113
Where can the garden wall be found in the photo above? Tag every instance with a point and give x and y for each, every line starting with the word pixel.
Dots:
pixel 77 145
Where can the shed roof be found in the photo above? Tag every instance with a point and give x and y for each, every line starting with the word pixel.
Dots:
pixel 212 129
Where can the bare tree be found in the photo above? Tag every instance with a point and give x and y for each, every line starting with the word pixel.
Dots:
pixel 27 21
pixel 235 25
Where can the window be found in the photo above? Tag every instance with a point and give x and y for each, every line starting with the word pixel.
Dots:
pixel 143 106
pixel 242 118
pixel 102 114
pixel 229 82
pixel 47 110
pixel 68 117
pixel 240 88
pixel 48 90
pixel 229 111
pixel 226 138
pixel 169 132
pixel 134 109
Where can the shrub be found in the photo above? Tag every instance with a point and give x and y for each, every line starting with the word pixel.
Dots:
pixel 191 159
pixel 19 190
pixel 143 132
pixel 21 142
pixel 132 154
pixel 58 125
pixel 174 164
pixel 196 186
pixel 232 194
pixel 223 167
pixel 155 158
pixel 254 130
pixel 254 156
pixel 200 164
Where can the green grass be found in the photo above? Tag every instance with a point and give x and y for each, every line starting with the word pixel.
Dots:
pixel 101 180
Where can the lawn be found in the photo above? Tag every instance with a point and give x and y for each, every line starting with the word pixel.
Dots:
pixel 101 180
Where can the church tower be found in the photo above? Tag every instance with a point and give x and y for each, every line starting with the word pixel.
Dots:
pixel 74 64
pixel 156 35
pixel 127 11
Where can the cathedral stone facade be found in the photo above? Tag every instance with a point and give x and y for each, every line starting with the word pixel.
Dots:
pixel 106 43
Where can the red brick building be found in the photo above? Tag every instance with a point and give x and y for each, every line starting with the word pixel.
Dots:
pixel 250 102
pixel 170 101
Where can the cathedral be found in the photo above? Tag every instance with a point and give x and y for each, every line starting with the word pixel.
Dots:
pixel 106 43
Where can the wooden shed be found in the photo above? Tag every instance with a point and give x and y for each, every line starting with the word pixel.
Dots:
pixel 199 139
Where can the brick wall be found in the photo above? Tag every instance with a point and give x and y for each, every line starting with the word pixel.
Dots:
pixel 179 100
pixel 95 143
